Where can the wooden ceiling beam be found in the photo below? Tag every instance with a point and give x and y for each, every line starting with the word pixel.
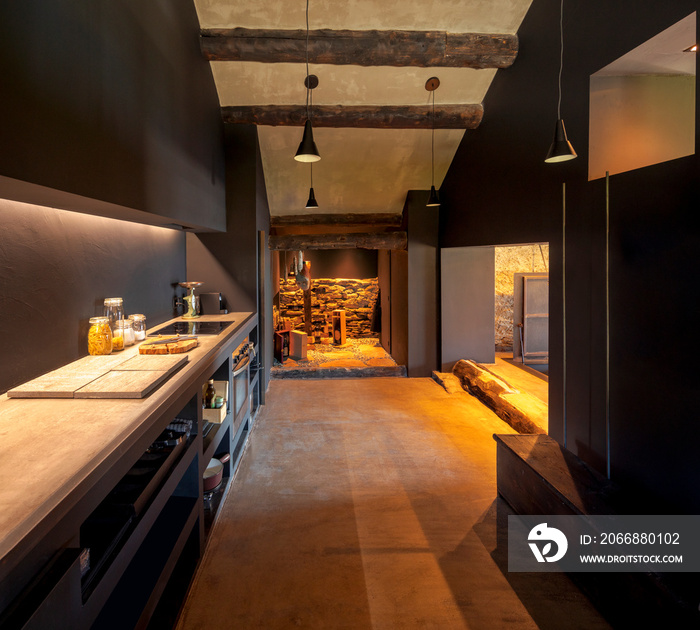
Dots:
pixel 362 48
pixel 370 240
pixel 341 220
pixel 467 116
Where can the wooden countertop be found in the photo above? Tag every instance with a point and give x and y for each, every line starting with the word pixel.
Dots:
pixel 53 451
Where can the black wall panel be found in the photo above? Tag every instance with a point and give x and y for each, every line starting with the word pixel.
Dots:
pixel 499 191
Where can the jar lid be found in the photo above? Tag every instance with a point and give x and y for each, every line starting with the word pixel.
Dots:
pixel 138 317
pixel 124 323
pixel 99 320
pixel 113 301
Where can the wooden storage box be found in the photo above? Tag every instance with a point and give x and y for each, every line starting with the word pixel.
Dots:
pixel 281 350
pixel 216 416
pixel 297 344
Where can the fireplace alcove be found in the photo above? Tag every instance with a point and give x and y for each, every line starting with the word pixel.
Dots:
pixel 341 279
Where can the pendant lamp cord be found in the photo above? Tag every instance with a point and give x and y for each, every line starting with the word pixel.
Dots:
pixel 311 170
pixel 308 90
pixel 432 146
pixel 561 53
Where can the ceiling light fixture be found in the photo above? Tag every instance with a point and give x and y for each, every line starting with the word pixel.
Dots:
pixel 307 151
pixel 312 203
pixel 561 149
pixel 431 85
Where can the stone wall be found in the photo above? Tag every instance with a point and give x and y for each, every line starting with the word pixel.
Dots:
pixel 356 297
pixel 511 260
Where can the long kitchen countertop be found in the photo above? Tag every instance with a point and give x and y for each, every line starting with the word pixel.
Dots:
pixel 53 451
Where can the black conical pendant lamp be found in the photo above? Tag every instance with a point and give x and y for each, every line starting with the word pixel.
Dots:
pixel 431 85
pixel 312 203
pixel 561 149
pixel 307 151
pixel 433 199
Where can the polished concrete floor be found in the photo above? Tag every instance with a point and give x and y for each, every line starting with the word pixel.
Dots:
pixel 371 503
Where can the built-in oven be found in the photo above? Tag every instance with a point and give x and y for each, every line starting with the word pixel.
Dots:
pixel 242 359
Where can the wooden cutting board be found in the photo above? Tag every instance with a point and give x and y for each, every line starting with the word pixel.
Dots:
pixel 52 386
pixel 154 346
pixel 159 362
pixel 123 384
pixel 103 377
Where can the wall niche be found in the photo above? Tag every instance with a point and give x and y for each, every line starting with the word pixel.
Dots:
pixel 642 105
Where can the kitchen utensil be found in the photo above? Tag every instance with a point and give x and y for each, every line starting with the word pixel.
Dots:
pixel 190 300
pixel 214 472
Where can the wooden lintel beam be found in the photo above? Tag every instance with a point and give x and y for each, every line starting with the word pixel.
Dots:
pixel 467 116
pixel 377 219
pixel 362 48
pixel 376 240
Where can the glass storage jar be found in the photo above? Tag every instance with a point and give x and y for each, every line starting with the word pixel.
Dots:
pixel 99 336
pixel 124 328
pixel 139 323
pixel 114 309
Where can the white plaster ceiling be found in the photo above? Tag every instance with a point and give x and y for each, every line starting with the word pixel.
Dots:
pixel 361 170
pixel 664 54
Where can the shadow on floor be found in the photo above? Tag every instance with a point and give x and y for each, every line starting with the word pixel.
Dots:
pixel 537 591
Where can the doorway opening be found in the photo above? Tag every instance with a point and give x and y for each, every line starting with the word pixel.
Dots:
pixel 494 325
pixel 327 315
pixel 522 305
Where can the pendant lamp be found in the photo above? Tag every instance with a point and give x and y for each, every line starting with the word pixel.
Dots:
pixel 561 149
pixel 431 85
pixel 307 151
pixel 312 203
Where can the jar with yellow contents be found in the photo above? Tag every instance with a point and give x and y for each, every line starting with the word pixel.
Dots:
pixel 99 336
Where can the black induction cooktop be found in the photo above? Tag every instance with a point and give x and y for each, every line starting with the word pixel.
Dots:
pixel 194 327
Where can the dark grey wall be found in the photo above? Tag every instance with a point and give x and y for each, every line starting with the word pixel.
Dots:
pixel 653 239
pixel 266 286
pixel 56 268
pixel 398 264
pixel 228 262
pixel 467 278
pixel 110 101
pixel 422 285
pixel 341 263
pixel 106 107
pixel 384 275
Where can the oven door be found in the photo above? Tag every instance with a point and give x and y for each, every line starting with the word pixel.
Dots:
pixel 241 393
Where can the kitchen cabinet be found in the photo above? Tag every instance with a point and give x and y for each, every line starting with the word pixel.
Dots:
pixel 74 556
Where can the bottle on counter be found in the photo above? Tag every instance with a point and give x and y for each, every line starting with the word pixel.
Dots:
pixel 124 328
pixel 99 336
pixel 210 395
pixel 139 323
pixel 114 309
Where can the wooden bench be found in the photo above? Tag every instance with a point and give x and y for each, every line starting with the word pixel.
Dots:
pixel 536 475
